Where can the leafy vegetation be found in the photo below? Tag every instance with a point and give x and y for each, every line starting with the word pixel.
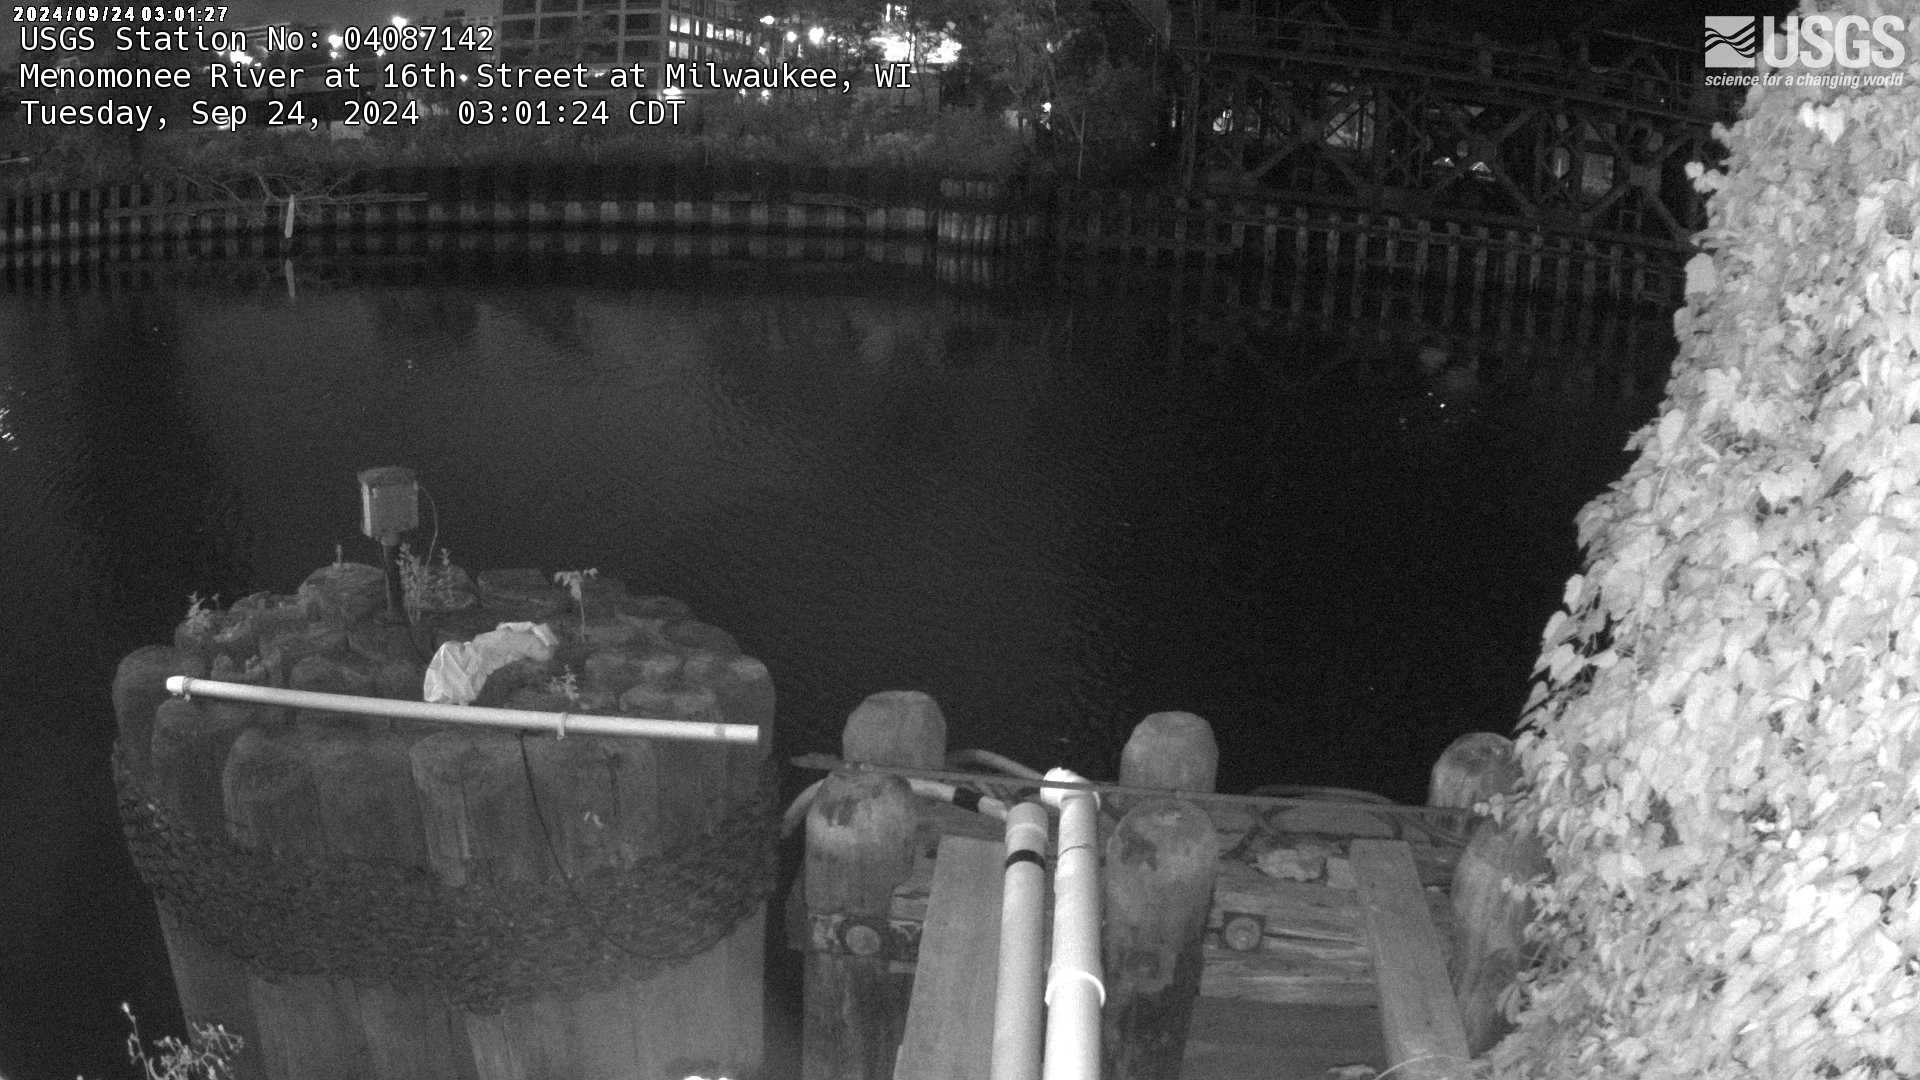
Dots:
pixel 575 582
pixel 1722 749
pixel 566 685
pixel 428 584
pixel 200 613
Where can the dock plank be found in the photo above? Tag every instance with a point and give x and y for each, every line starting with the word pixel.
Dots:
pixel 1418 1015
pixel 950 1018
pixel 1252 1040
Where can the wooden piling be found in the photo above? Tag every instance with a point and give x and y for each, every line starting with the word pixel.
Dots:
pixel 1160 865
pixel 1172 750
pixel 896 727
pixel 1491 921
pixel 1362 243
pixel 1473 768
pixel 1509 280
pixel 1327 299
pixel 139 688
pixel 308 1030
pixel 191 742
pixel 859 847
pixel 368 809
pixel 1490 918
pixel 1477 295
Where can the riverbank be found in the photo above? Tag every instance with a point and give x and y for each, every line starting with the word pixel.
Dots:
pixel 971 213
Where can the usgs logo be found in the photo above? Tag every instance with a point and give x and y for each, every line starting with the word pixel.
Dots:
pixel 1809 41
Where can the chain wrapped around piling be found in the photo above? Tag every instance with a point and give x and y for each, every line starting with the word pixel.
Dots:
pixel 481 946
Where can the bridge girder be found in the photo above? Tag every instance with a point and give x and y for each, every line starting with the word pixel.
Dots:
pixel 1305 105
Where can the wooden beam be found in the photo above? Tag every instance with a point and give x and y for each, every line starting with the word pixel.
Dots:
pixel 1425 1039
pixel 949 1032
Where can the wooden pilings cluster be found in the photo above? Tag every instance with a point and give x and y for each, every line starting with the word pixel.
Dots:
pixel 851 205
pixel 868 833
pixel 370 898
pixel 1250 911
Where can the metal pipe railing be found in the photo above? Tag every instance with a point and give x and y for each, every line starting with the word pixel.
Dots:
pixel 560 724
pixel 1017 1008
pixel 1075 988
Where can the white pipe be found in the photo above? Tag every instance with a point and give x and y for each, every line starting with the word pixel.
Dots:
pixel 560 723
pixel 1017 1007
pixel 964 798
pixel 1075 991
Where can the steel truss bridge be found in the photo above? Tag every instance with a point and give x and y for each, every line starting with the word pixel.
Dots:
pixel 1588 136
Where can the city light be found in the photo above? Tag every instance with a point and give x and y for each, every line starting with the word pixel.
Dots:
pixel 816 35
pixel 399 20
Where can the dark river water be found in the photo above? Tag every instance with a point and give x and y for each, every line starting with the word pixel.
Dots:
pixel 1056 507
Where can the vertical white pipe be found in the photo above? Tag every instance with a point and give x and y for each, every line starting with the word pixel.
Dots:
pixel 1017 999
pixel 1075 990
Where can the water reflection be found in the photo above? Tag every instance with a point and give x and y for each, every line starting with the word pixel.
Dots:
pixel 1054 509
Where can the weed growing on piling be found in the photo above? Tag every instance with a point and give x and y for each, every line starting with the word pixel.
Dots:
pixel 567 685
pixel 427 583
pixel 200 612
pixel 207 1053
pixel 576 583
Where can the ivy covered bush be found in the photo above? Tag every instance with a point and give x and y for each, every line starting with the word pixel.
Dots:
pixel 1722 753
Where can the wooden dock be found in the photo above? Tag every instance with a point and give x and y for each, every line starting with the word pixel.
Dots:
pixel 1332 947
pixel 1301 977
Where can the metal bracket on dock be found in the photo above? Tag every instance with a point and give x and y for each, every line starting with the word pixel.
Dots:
pixel 894 940
pixel 1241 931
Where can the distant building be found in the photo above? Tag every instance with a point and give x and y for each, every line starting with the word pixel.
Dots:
pixel 609 33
